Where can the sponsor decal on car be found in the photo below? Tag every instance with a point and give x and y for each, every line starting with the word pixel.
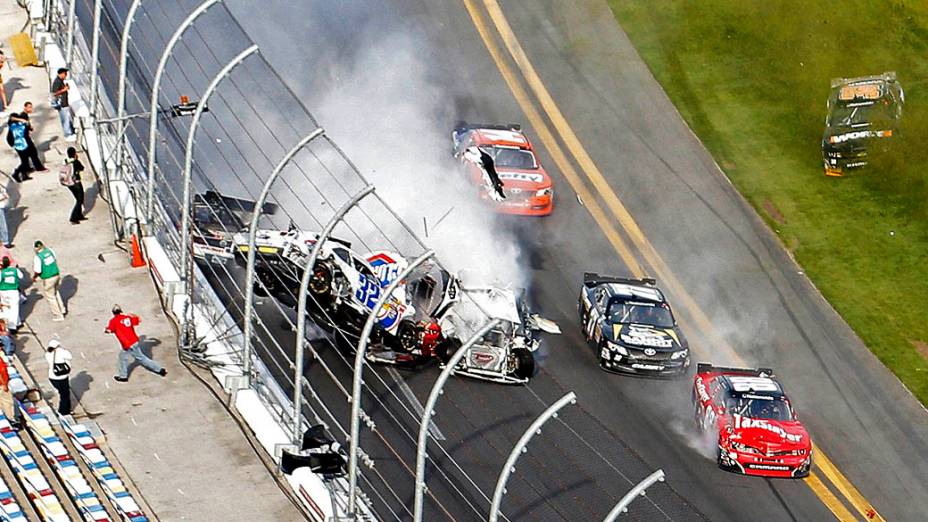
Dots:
pixel 857 135
pixel 747 423
pixel 638 336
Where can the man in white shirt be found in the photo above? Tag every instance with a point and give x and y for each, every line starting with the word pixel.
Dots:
pixel 59 373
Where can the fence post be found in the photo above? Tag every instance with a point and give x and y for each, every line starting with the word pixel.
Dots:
pixel 185 256
pixel 509 467
pixel 301 300
pixel 95 57
pixel 69 49
pixel 155 88
pixel 121 89
pixel 639 489
pixel 356 381
pixel 252 233
pixel 438 389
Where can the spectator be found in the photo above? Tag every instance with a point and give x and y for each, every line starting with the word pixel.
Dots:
pixel 123 326
pixel 75 186
pixel 9 346
pixel 32 153
pixel 59 372
pixel 4 230
pixel 7 403
pixel 60 92
pixel 16 138
pixel 10 277
pixel 45 267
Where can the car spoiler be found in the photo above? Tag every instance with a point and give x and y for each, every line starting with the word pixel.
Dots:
pixel 591 279
pixel 889 76
pixel 463 125
pixel 757 372
pixel 211 197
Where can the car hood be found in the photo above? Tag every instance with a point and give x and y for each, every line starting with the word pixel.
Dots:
pixel 646 336
pixel 769 435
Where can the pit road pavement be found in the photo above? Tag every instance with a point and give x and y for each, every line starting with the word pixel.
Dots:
pixel 179 445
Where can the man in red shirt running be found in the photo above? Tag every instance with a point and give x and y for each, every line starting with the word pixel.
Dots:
pixel 123 326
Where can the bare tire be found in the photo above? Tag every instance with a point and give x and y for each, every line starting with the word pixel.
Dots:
pixel 446 348
pixel 320 284
pixel 407 336
pixel 525 363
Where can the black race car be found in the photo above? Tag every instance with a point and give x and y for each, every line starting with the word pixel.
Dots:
pixel 216 218
pixel 861 112
pixel 631 326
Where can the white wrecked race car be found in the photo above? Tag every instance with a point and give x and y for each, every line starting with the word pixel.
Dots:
pixel 504 354
pixel 343 287
pixel 426 318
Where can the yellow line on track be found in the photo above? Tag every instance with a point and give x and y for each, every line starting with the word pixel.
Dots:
pixel 624 217
pixel 847 489
pixel 827 497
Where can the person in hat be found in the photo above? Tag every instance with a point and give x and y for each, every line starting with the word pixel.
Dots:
pixel 45 267
pixel 10 277
pixel 123 327
pixel 59 373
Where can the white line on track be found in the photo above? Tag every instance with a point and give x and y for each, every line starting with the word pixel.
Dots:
pixel 413 401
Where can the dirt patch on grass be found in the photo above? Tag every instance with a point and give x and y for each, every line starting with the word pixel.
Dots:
pixel 773 211
pixel 921 347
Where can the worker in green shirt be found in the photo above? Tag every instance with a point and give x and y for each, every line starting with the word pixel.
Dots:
pixel 45 267
pixel 10 277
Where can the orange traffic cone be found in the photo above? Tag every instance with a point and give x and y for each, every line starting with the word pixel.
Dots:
pixel 137 259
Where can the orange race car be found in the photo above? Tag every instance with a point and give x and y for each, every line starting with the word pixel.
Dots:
pixel 502 164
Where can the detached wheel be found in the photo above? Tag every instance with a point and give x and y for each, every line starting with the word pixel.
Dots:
pixel 408 336
pixel 445 349
pixel 525 363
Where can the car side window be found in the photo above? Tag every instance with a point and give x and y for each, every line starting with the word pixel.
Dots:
pixel 362 268
pixel 601 299
pixel 718 393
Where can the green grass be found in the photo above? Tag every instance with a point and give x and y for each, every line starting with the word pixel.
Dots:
pixel 751 78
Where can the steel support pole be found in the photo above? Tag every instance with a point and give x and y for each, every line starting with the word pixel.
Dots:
pixel 301 300
pixel 437 390
pixel 356 381
pixel 69 45
pixel 95 57
pixel 519 448
pixel 153 110
pixel 121 88
pixel 252 233
pixel 622 506
pixel 185 256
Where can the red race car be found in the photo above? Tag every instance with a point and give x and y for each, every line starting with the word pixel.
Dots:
pixel 757 427
pixel 500 161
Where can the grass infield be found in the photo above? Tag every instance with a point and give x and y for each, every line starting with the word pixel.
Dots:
pixel 751 79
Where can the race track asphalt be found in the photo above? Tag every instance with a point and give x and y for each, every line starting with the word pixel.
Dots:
pixel 725 257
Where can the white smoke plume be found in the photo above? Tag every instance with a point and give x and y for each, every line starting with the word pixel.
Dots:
pixel 395 124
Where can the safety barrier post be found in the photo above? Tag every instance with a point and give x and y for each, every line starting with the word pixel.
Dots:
pixel 301 302
pixel 356 381
pixel 185 256
pixel 438 389
pixel 622 506
pixel 155 89
pixel 532 430
pixel 252 233
pixel 121 88
pixel 69 49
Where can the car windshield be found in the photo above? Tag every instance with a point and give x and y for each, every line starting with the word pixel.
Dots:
pixel 652 314
pixel 515 158
pixel 771 409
